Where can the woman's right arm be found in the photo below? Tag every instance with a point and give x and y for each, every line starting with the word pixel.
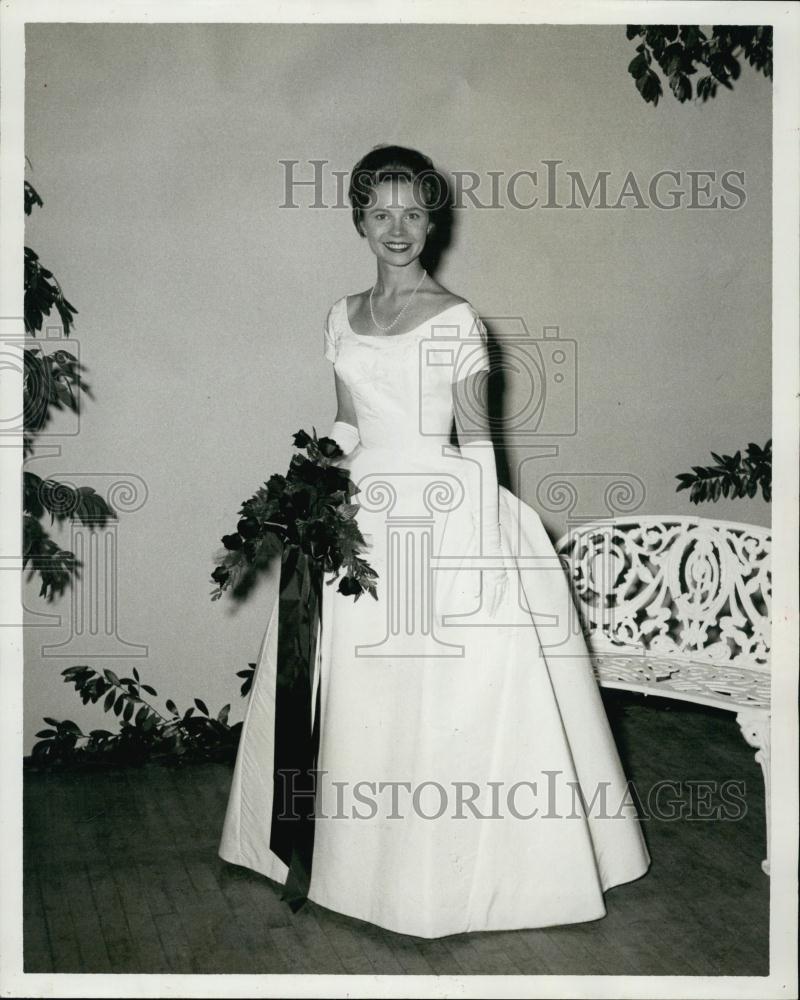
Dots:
pixel 345 427
pixel 346 411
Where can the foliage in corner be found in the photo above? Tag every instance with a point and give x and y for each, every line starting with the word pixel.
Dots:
pixel 51 381
pixel 308 510
pixel 679 50
pixel 145 733
pixel 733 475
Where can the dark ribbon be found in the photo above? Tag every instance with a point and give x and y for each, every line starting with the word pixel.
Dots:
pixel 296 741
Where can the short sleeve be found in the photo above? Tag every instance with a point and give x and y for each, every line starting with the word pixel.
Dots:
pixel 331 341
pixel 473 350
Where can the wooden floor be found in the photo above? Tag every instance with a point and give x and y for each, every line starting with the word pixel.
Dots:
pixel 122 875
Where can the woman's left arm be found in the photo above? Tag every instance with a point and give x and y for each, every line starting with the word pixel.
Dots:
pixel 470 408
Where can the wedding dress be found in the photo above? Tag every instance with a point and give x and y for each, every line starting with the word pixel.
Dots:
pixel 469 780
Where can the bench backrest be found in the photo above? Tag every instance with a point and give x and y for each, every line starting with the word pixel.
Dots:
pixel 687 587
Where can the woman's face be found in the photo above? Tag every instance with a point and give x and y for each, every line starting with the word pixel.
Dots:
pixel 396 223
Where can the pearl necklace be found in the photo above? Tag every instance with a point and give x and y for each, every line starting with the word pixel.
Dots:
pixel 397 317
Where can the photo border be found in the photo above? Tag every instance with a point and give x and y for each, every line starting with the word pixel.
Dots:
pixel 782 981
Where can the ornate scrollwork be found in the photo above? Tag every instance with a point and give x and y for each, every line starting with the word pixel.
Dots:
pixel 682 587
pixel 709 682
pixel 679 607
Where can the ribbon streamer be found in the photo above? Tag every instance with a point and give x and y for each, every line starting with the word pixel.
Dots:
pixel 296 738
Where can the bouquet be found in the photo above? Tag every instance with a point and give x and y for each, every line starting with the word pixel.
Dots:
pixel 307 511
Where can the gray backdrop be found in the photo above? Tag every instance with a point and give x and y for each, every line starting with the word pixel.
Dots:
pixel 201 301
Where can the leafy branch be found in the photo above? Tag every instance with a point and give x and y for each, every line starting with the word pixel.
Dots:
pixel 308 510
pixel 145 732
pixel 40 554
pixel 733 475
pixel 50 382
pixel 680 50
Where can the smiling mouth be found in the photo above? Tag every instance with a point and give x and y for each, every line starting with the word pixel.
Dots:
pixel 397 247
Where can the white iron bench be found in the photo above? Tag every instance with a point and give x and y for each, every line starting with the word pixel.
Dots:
pixel 679 607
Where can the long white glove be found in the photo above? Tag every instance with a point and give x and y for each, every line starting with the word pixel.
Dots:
pixel 485 512
pixel 345 435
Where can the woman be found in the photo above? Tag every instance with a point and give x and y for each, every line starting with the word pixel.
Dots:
pixel 468 778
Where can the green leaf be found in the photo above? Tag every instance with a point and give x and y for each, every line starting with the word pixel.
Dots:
pixel 136 673
pixel 706 88
pixel 201 705
pixel 681 87
pixel 46 732
pixel 111 676
pixel 649 86
pixel 148 689
pixel 672 59
pixel 49 721
pixel 42 751
pixel 223 714
pixel 637 65
pixel 109 700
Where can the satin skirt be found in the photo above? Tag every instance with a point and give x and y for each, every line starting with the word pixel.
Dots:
pixel 469 779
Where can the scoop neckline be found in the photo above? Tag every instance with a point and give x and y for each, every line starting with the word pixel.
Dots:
pixel 393 336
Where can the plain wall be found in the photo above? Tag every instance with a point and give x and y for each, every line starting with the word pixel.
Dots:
pixel 201 302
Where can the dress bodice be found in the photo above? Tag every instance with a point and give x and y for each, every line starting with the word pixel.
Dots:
pixel 402 384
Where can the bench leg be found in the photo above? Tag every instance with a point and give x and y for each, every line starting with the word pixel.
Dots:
pixel 754 724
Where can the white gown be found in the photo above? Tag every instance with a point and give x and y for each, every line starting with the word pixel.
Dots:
pixel 427 703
